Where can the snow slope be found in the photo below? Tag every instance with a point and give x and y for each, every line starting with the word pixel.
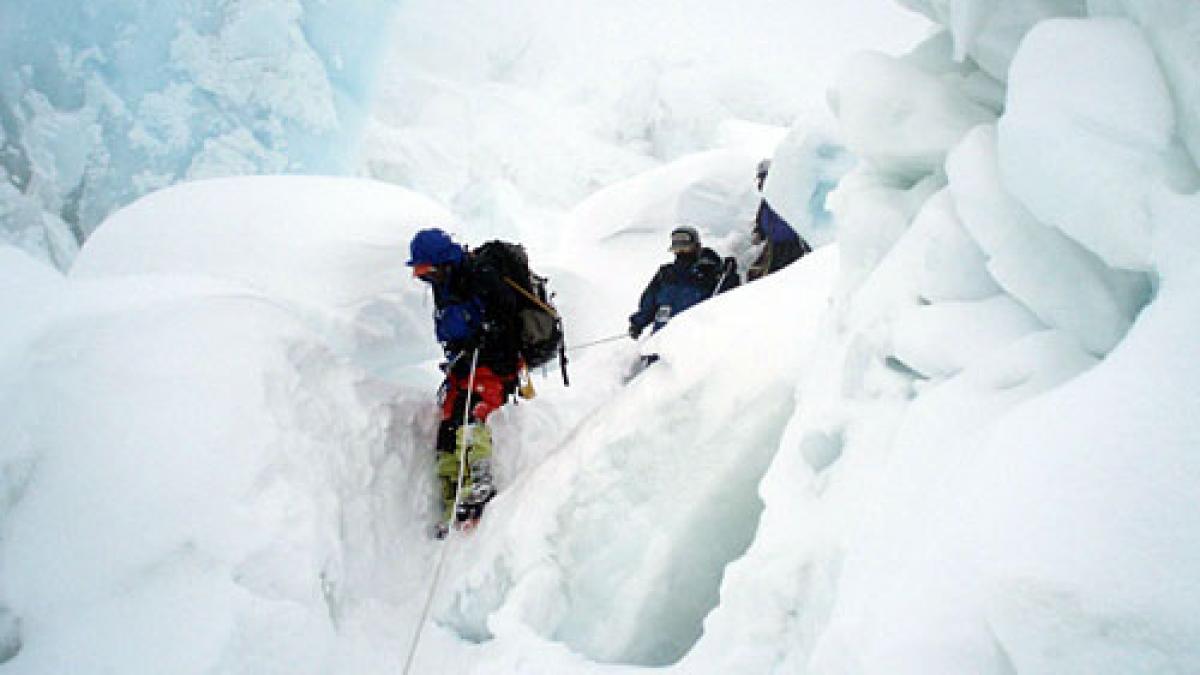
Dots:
pixel 192 428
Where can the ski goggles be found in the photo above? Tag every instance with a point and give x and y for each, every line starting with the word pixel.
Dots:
pixel 682 242
pixel 424 271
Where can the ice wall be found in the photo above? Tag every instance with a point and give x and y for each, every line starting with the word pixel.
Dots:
pixel 102 101
pixel 980 476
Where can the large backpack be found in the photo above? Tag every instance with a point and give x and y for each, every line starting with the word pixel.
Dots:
pixel 540 324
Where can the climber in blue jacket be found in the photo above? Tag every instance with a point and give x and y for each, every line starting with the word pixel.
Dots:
pixel 696 274
pixel 474 320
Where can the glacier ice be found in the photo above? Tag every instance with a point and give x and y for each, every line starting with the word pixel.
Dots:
pixel 809 164
pixel 106 100
pixel 953 267
pixel 934 572
pixel 1066 285
pixel 1087 133
pixel 973 442
pixel 989 32
pixel 898 117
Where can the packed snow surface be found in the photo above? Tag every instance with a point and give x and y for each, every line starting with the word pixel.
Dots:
pixel 960 437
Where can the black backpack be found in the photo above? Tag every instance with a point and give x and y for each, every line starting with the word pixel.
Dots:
pixel 539 323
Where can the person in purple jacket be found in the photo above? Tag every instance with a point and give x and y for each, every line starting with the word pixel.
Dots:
pixel 783 245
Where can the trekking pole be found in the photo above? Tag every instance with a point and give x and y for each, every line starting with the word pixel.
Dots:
pixel 725 268
pixel 467 433
pixel 437 571
pixel 466 427
pixel 562 364
pixel 720 282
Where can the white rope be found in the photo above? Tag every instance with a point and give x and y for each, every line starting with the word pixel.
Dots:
pixel 601 341
pixel 437 570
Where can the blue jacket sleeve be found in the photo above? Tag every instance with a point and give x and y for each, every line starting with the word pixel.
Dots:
pixel 457 326
pixel 648 304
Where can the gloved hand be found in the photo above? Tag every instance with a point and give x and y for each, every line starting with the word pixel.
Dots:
pixel 756 236
pixel 635 331
pixel 459 352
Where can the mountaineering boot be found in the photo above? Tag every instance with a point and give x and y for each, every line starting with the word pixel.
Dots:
pixel 470 509
pixel 478 488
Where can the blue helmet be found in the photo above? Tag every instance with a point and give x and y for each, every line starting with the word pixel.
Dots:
pixel 433 246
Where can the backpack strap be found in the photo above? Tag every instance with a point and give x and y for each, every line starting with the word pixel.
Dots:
pixel 531 297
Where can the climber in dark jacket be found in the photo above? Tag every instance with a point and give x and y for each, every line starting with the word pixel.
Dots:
pixel 475 321
pixel 473 306
pixel 696 274
pixel 782 245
